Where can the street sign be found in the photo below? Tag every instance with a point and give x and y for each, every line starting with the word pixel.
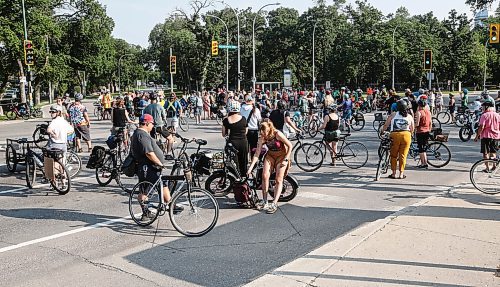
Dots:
pixel 328 85
pixel 228 47
pixel 287 78
pixel 430 76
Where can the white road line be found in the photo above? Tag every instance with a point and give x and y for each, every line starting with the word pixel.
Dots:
pixel 59 235
pixel 19 189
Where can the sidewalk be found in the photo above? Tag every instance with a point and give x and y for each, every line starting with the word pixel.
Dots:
pixel 448 240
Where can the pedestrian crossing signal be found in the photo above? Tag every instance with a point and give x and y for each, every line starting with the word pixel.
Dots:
pixel 29 53
pixel 173 64
pixel 215 48
pixel 494 30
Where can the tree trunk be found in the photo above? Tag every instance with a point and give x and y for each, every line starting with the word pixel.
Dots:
pixel 21 84
pixel 204 70
pixel 37 95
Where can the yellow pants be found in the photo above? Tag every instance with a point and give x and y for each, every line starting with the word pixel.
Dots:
pixel 401 142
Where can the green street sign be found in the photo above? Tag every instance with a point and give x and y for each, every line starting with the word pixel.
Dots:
pixel 228 47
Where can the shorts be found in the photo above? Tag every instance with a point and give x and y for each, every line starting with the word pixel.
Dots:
pixel 148 173
pixel 82 132
pixel 489 146
pixel 197 111
pixel 422 141
pixel 173 122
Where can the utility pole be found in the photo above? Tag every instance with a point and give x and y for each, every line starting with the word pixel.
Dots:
pixel 239 51
pixel 227 49
pixel 51 97
pixel 485 62
pixel 28 67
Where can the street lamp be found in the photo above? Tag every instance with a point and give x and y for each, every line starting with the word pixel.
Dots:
pixel 227 49
pixel 28 67
pixel 239 51
pixel 393 53
pixel 254 78
pixel 120 71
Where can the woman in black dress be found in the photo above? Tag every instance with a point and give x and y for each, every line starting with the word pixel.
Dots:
pixel 236 127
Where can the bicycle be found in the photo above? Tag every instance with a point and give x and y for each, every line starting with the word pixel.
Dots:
pixel 59 178
pixel 357 121
pixel 444 116
pixel 354 155
pixel 384 155
pixel 17 112
pixel 307 156
pixel 40 135
pixel 438 153
pixel 188 205
pixel 183 124
pixel 470 127
pixel 485 175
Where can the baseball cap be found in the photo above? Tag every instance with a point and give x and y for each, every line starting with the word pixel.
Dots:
pixel 55 109
pixel 146 118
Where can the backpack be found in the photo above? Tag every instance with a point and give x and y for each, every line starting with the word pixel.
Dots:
pixel 242 194
pixel 96 158
pixel 129 166
pixel 171 110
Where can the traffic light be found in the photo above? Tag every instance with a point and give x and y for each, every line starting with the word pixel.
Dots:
pixel 173 64
pixel 240 76
pixel 427 60
pixel 215 48
pixel 494 37
pixel 29 53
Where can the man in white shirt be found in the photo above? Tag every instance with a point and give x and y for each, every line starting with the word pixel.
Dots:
pixel 253 116
pixel 58 129
pixel 199 108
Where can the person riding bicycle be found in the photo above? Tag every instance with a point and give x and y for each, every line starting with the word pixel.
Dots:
pixel 173 111
pixel 120 117
pixel 331 125
pixel 423 124
pixel 465 99
pixel 277 159
pixel 485 97
pixel 401 126
pixel 58 129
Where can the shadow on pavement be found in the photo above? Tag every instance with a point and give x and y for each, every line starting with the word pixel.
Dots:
pixel 252 246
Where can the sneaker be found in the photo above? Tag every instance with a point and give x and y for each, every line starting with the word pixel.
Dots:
pixel 423 166
pixel 177 208
pixel 260 204
pixel 272 208
pixel 146 215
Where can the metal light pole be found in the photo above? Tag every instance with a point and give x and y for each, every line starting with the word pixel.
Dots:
pixel 227 50
pixel 314 64
pixel 51 97
pixel 239 51
pixel 254 78
pixel 120 71
pixel 485 62
pixel 26 38
pixel 393 54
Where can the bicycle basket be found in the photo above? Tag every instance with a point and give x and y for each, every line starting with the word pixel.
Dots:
pixel 217 161
pixel 435 132
pixel 112 142
pixel 54 153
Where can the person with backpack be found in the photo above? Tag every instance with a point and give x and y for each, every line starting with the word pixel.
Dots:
pixel 331 125
pixel 302 104
pixel 235 127
pixel 280 117
pixel 277 160
pixel 253 117
pixel 80 121
pixel 174 110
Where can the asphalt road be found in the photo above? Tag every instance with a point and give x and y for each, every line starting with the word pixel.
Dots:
pixel 85 239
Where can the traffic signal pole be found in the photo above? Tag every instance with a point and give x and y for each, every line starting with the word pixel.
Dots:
pixel 485 62
pixel 171 75
pixel 28 67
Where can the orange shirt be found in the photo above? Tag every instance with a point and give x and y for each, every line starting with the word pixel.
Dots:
pixel 424 121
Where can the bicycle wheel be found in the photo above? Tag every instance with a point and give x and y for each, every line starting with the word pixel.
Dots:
pixel 308 157
pixel 219 184
pixel 96 111
pixel 444 117
pixel 196 212
pixel 354 155
pixel 438 154
pixel 465 133
pixel 436 123
pixel 460 120
pixel 144 204
pixel 485 176
pixel 375 125
pixel 313 129
pixel 184 124
pixel 99 115
pixel 219 119
pixel 62 181
pixel 11 115
pixel 40 137
pixel 126 183
pixel 383 163
pixel 289 190
pixel 73 164
pixel 356 124
pixel 104 174
pixel 30 172
pixel 11 158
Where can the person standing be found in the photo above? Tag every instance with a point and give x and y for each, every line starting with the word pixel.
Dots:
pixel 277 160
pixel 79 119
pixel 423 123
pixel 120 118
pixel 331 125
pixel 465 99
pixel 280 117
pixel 199 108
pixel 235 126
pixel 489 132
pixel 252 114
pixel 58 129
pixel 401 127
pixel 173 110
pixel 452 107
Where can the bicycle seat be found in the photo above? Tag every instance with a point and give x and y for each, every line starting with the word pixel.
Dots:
pixel 201 142
pixel 22 141
pixel 185 140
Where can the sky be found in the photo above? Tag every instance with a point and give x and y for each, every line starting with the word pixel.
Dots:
pixel 134 19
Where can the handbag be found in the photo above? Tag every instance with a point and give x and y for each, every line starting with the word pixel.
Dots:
pixel 129 166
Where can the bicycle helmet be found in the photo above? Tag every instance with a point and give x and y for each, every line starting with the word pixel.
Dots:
pixel 421 91
pixel 78 97
pixel 485 94
pixel 280 105
pixel 55 109
pixel 234 107
pixel 465 91
pixel 332 108
pixel 394 107
pixel 402 105
pixel 488 104
pixel 421 103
